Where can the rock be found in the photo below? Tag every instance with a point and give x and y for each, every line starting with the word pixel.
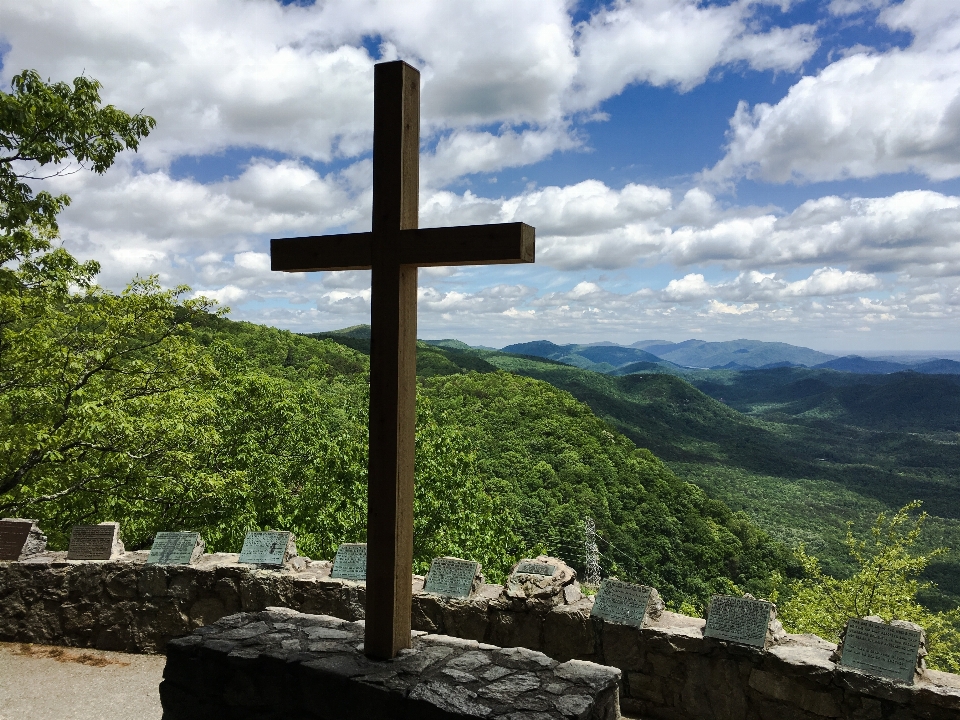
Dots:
pixel 117 542
pixel 539 590
pixel 572 594
pixel 508 688
pixel 589 674
pixel 573 706
pixel 451 698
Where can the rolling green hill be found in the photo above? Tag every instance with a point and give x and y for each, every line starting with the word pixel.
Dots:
pixel 747 353
pixel 897 402
pixel 800 451
pixel 506 466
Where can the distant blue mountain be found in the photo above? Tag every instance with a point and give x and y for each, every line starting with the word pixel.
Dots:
pixel 605 357
pixel 938 367
pixel 745 353
pixel 737 355
pixel 857 364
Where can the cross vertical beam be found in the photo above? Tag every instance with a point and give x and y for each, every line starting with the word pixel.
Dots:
pixel 394 249
pixel 393 360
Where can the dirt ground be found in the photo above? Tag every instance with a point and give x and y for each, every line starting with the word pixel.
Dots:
pixel 55 683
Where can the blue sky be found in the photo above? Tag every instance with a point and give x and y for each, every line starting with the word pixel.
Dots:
pixel 783 171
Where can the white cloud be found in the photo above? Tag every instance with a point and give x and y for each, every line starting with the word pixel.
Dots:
pixel 718 308
pixel 677 42
pixel 506 83
pixel 296 80
pixel 867 114
pixel 225 295
pixel 851 7
pixel 830 281
pixel 591 225
pixel 466 151
pixel 768 287
pixel 151 223
pixel 689 287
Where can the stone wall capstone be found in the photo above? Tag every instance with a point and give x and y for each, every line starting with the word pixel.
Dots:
pixel 669 670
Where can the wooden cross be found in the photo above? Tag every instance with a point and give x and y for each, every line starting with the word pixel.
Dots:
pixel 394 250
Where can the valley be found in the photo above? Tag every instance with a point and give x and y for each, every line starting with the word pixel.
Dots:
pixel 801 451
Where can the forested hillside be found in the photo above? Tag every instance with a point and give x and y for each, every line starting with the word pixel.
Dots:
pixel 801 451
pixel 506 466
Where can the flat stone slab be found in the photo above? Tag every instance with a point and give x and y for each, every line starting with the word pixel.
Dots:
pixel 533 567
pixel 268 547
pixel 280 663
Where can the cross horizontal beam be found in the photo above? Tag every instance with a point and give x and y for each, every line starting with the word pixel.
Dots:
pixel 500 244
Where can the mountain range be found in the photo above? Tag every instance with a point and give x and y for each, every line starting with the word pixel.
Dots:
pixel 648 355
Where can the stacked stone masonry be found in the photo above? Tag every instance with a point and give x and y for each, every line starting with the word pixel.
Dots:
pixel 669 670
pixel 279 664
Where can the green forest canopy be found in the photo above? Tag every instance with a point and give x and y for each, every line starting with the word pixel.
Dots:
pixel 273 435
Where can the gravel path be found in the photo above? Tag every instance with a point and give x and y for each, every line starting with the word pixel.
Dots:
pixel 54 683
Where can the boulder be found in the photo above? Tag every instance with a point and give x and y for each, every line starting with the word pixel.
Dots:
pixel 536 590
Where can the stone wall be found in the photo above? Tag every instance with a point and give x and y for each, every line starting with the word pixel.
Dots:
pixel 279 664
pixel 669 669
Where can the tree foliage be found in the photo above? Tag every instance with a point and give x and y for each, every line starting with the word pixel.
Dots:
pixel 885 583
pixel 43 123
pixel 558 463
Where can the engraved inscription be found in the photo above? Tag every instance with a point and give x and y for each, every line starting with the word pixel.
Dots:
pixel 881 649
pixel 173 548
pixel 532 567
pixel 622 603
pixel 12 537
pixel 91 542
pixel 350 562
pixel 451 577
pixel 264 548
pixel 739 620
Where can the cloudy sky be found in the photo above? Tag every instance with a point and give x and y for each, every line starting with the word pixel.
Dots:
pixel 781 170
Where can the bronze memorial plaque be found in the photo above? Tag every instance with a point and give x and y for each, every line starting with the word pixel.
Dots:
pixel 739 620
pixel 622 603
pixel 173 548
pixel 92 542
pixel 13 535
pixel 350 562
pixel 881 649
pixel 532 567
pixel 265 548
pixel 451 577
